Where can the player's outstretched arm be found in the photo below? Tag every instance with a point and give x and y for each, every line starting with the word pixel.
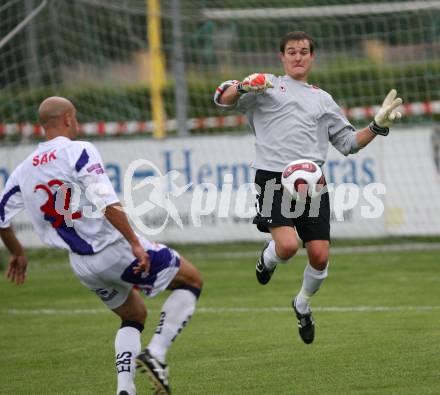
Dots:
pixel 383 120
pixel 256 82
pixel 17 262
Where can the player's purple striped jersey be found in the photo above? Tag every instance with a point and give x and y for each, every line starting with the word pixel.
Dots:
pixel 293 120
pixel 52 184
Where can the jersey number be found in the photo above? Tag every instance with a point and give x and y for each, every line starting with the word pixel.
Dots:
pixel 56 215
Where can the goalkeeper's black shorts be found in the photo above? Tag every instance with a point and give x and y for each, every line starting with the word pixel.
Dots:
pixel 311 219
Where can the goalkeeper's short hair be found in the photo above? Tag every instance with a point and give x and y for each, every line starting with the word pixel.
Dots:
pixel 296 36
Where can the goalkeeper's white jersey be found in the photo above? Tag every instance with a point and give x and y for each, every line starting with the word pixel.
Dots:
pixel 293 120
pixel 51 183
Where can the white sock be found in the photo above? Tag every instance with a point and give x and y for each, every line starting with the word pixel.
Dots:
pixel 127 348
pixel 271 259
pixel 176 312
pixel 311 283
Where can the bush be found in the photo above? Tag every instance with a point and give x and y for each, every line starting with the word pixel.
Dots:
pixel 109 103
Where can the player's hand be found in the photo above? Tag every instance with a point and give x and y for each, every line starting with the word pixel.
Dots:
pixel 387 114
pixel 143 259
pixel 17 269
pixel 254 83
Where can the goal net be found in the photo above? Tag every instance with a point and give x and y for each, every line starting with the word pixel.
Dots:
pixel 127 63
pixel 98 53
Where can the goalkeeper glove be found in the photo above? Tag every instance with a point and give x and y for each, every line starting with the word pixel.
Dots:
pixel 387 114
pixel 254 83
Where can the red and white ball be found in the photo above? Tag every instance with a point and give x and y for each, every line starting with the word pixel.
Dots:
pixel 302 178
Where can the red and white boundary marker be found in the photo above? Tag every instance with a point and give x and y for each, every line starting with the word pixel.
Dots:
pixel 140 127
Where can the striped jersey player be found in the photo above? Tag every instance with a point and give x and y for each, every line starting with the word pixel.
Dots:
pixel 72 205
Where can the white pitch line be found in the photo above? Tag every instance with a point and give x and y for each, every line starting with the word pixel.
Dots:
pixel 334 250
pixel 54 312
pixel 219 310
pixel 348 309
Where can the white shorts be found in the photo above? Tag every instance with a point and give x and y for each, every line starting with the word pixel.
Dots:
pixel 109 273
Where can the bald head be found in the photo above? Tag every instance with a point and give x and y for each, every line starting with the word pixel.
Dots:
pixel 57 116
pixel 53 108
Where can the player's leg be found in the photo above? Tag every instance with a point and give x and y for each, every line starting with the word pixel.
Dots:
pixel 185 287
pixel 271 218
pixel 284 244
pixel 280 249
pixel 101 273
pixel 178 308
pixel 314 274
pixel 315 233
pixel 128 341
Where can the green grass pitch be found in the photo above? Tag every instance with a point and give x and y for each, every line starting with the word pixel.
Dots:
pixel 377 329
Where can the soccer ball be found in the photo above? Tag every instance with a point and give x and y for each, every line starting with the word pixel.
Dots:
pixel 302 178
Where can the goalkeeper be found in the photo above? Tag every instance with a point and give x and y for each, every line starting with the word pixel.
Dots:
pixel 292 120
